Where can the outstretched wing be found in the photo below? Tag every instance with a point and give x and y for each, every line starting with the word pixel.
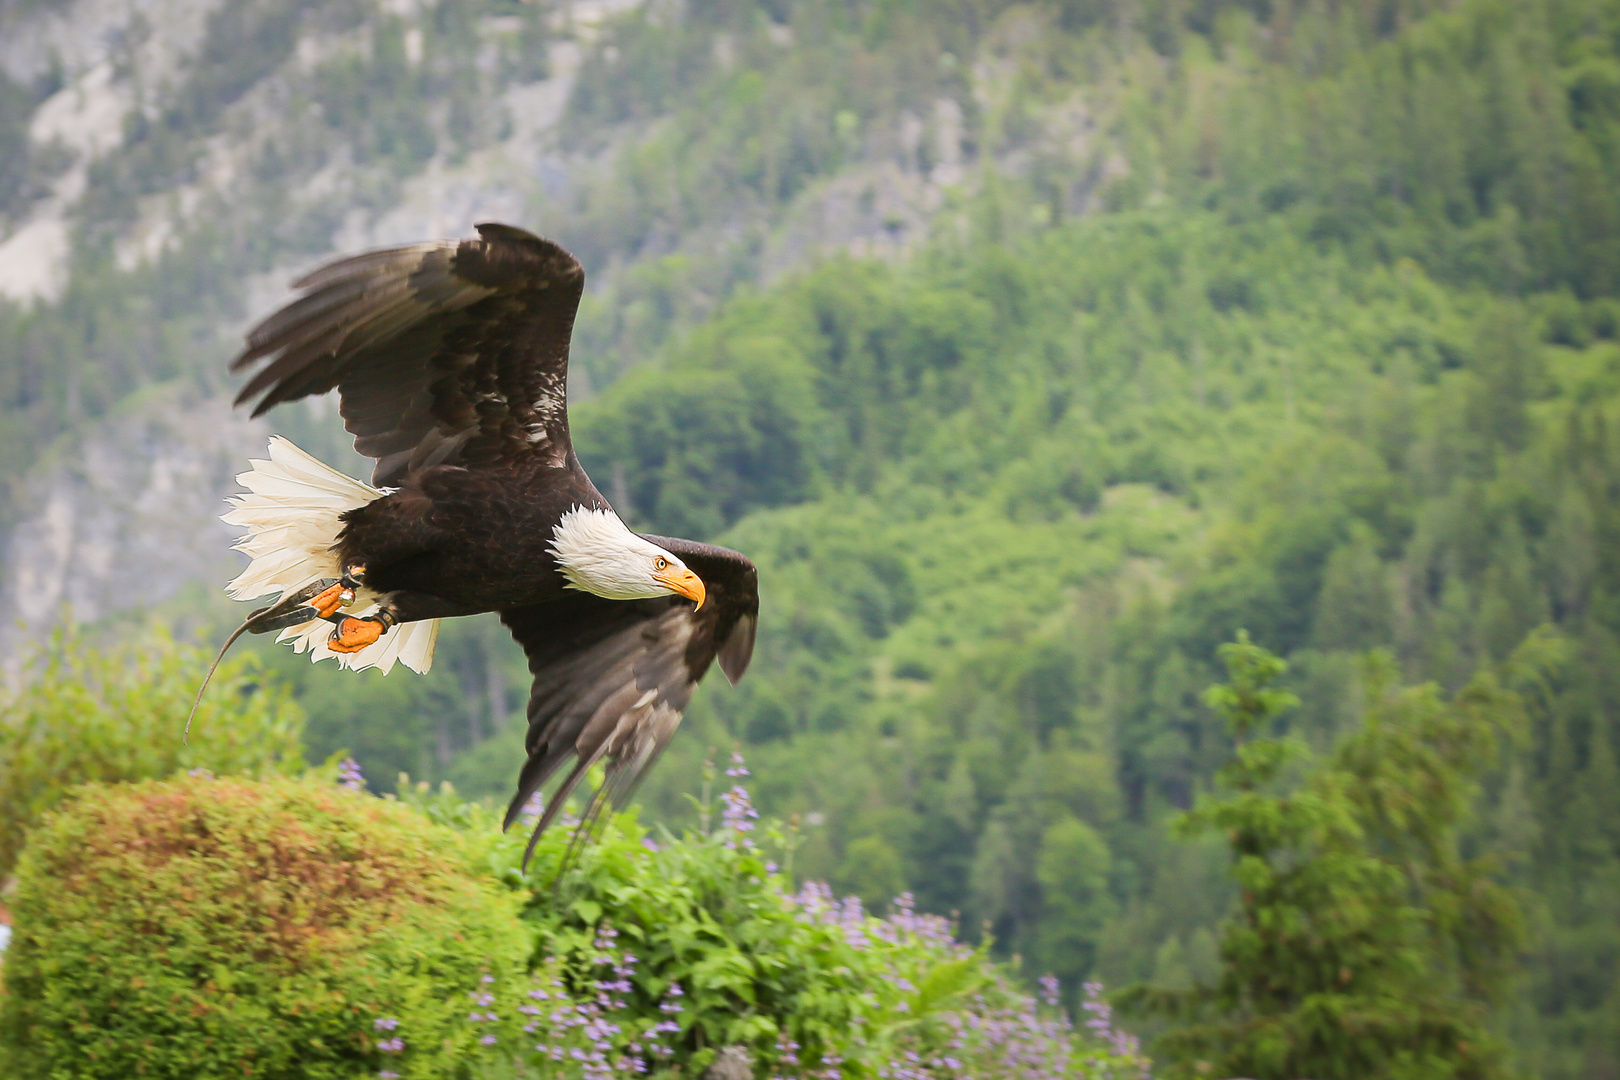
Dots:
pixel 612 678
pixel 448 351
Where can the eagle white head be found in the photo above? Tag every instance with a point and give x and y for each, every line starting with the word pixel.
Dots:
pixel 599 554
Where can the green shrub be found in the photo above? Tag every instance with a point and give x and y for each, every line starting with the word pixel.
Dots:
pixel 211 928
pixel 90 715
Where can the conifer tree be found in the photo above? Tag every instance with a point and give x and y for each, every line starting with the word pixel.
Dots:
pixel 1364 945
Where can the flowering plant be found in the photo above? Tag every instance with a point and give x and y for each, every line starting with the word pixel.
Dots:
pixel 656 954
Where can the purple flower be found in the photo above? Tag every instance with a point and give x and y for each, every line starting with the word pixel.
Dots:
pixel 488 1040
pixel 1101 1022
pixel 384 1023
pixel 349 775
pixel 738 813
pixel 604 942
pixel 737 767
pixel 392 1046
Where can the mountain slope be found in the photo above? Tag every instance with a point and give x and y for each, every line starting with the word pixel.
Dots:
pixel 175 162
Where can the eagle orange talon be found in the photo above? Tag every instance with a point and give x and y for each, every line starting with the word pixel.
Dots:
pixel 352 635
pixel 326 603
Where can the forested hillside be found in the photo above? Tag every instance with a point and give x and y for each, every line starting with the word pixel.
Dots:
pixel 1336 366
pixel 1295 317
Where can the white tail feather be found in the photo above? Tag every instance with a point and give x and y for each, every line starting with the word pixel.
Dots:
pixel 292 515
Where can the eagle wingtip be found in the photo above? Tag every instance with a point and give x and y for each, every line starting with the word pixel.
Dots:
pixel 499 230
pixel 556 262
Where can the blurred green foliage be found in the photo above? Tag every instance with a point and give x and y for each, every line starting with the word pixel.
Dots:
pixel 1350 382
pixel 455 724
pixel 213 927
pixel 86 714
pixel 987 636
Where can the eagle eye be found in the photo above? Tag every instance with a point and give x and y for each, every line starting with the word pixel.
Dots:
pixel 660 563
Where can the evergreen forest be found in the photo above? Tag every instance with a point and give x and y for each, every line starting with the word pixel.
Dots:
pixel 1293 370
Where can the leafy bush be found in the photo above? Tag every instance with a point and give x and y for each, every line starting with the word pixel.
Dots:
pixel 94 715
pixel 206 927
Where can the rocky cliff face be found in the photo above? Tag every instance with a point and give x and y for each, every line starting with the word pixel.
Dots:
pixel 126 514
pixel 123 508
pixel 233 145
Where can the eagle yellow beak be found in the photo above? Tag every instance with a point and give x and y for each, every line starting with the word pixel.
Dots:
pixel 683 582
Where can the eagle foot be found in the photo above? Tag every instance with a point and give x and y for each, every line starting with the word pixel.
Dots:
pixel 352 634
pixel 327 602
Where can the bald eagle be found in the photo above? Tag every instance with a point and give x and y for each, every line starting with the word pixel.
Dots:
pixel 451 364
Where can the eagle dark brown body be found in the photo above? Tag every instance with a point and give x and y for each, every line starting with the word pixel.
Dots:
pixel 467 540
pixel 451 362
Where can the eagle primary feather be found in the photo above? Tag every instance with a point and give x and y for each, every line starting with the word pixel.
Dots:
pixel 441 352
pixel 451 364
